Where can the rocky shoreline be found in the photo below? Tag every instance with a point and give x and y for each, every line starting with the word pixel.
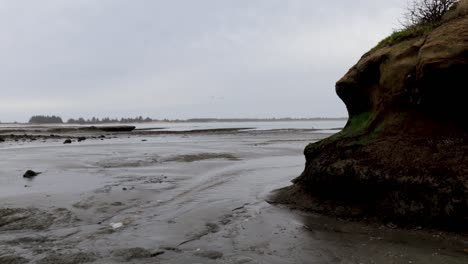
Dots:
pixel 402 157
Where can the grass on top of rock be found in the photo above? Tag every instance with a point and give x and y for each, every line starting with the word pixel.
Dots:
pixel 421 17
pixel 401 35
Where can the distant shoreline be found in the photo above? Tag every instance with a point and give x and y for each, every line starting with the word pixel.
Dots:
pixel 207 120
pixel 196 120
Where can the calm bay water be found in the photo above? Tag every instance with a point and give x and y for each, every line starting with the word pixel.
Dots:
pixel 264 125
pixel 186 126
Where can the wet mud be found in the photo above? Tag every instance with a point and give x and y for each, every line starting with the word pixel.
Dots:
pixel 199 198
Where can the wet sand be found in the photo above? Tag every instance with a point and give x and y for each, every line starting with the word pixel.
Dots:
pixel 182 198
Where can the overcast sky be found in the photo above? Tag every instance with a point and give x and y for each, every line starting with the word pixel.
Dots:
pixel 183 58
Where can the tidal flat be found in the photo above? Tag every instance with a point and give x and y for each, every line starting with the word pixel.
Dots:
pixel 149 197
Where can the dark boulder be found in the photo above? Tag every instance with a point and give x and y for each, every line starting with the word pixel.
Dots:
pixel 30 174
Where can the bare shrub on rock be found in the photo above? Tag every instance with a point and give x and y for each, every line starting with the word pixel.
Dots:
pixel 422 12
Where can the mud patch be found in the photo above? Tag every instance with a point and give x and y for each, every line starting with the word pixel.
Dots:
pixel 9 259
pixel 211 254
pixel 136 253
pixel 82 205
pixel 209 229
pixel 276 141
pixel 71 258
pixel 128 162
pixel 29 240
pixel 32 218
pixel 243 260
pixel 202 156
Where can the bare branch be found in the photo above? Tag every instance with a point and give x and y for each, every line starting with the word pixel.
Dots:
pixel 426 11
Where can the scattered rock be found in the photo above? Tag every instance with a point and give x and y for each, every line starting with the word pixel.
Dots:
pixel 124 189
pixel 2 139
pixel 30 174
pixel 67 141
pixel 81 139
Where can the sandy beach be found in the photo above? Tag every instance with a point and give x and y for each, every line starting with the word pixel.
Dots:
pixel 149 197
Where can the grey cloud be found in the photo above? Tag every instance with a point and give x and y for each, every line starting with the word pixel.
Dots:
pixel 171 58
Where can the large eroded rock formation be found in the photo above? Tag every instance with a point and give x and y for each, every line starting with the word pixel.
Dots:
pixel 403 156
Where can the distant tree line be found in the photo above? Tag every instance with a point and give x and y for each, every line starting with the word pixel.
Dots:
pixel 44 119
pixel 107 120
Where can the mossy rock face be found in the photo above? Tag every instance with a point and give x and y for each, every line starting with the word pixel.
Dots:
pixel 403 155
